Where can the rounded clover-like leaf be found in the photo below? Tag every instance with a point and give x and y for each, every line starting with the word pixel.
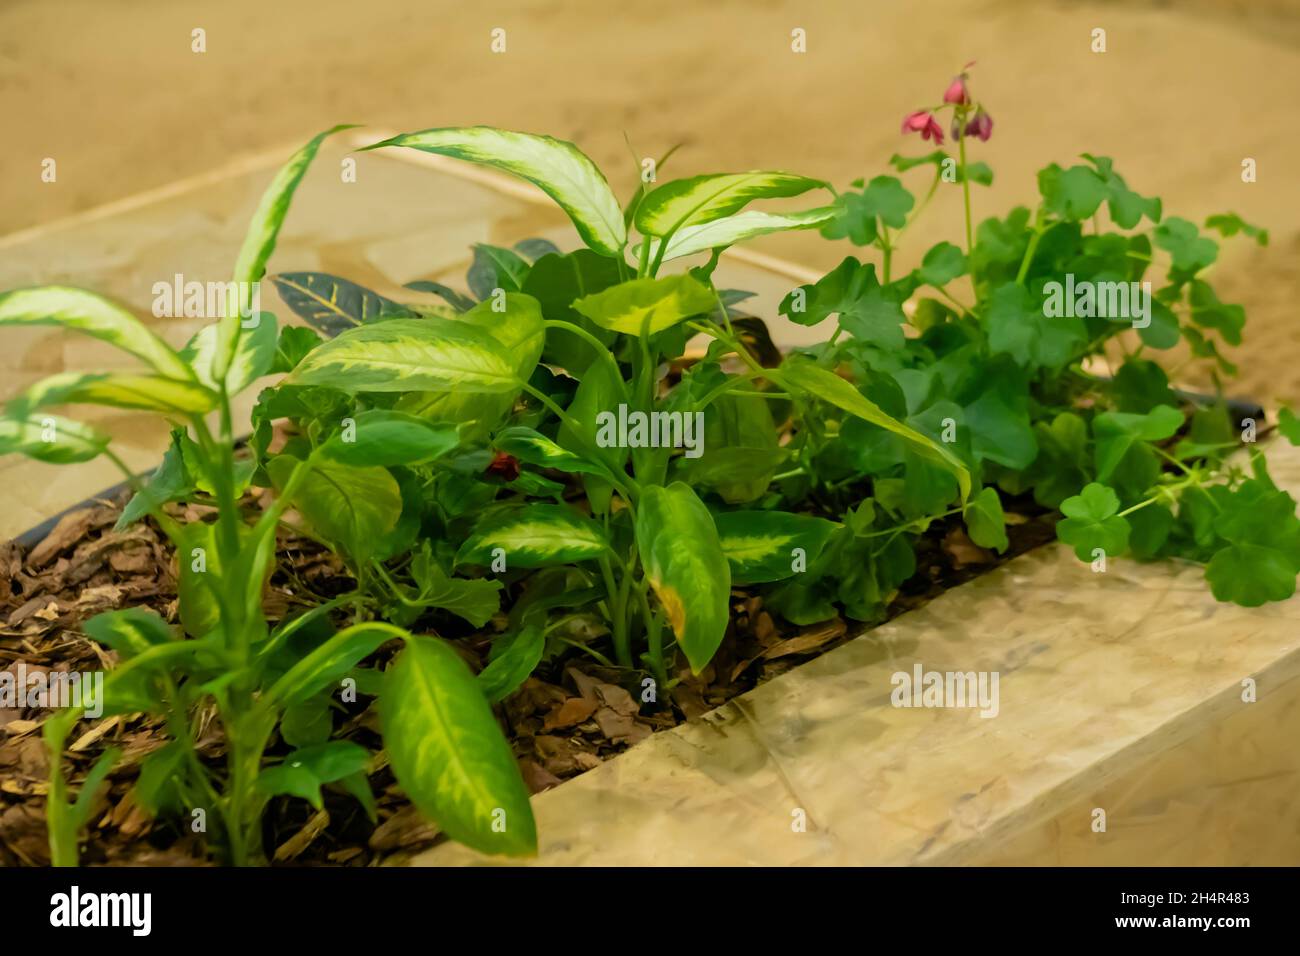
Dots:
pixel 1092 523
pixel 985 521
pixel 1250 575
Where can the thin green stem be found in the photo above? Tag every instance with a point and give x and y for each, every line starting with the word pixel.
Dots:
pixel 965 183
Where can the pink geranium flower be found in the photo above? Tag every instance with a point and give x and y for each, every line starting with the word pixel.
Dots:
pixel 956 92
pixel 980 125
pixel 923 121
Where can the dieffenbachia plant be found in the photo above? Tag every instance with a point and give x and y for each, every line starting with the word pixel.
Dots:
pixel 534 367
pixel 440 734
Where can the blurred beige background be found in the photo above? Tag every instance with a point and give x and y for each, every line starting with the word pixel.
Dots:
pixel 112 91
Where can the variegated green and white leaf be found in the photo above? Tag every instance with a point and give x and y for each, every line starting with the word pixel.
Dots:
pixel 802 375
pixel 745 225
pixel 537 536
pixel 534 448
pixel 410 355
pixel 93 315
pixel 686 566
pixel 259 243
pixel 700 199
pixel 558 168
pixel 449 754
pixel 50 438
pixel 117 390
pixel 764 546
pixel 254 358
pixel 521 335
pixel 647 305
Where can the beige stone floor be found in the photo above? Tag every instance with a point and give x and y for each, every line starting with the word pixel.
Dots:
pixel 1185 91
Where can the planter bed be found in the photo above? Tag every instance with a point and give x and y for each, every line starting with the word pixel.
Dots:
pixel 1115 687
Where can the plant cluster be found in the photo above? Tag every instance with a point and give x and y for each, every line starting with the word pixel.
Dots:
pixel 557 445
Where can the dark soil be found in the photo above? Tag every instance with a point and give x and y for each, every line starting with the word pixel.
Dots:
pixel 569 717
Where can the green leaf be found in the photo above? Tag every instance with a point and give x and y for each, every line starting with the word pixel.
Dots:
pixel 130 632
pixel 559 169
pixel 303 772
pixel 473 599
pixel 1073 194
pixel 1119 432
pixel 410 355
pixel 1229 224
pixel 325 666
pixel 535 536
pixel 600 390
pixel 1092 522
pixel 352 506
pixel 1000 433
pixel 171 481
pixel 977 172
pixel 1250 575
pixel 200 574
pixel 1019 327
pixel 1163 330
pixel 740 448
pixel 685 564
pixel 449 754
pixel 50 438
pixel 1141 384
pixel 259 243
pixel 943 263
pixel 511 667
pixel 556 281
pixel 534 448
pixel 156 790
pixel 647 305
pixel 117 390
pixel 702 199
pixel 1209 313
pixel 884 199
pixel 95 316
pixel 520 335
pixel 904 163
pixel 721 233
pixel 852 292
pixel 1126 207
pixel 457 300
pixel 1149 529
pixel 761 545
pixel 805 376
pixel 495 268
pixel 985 522
pixel 381 437
pixel 331 304
pixel 1289 425
pixel 1189 250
